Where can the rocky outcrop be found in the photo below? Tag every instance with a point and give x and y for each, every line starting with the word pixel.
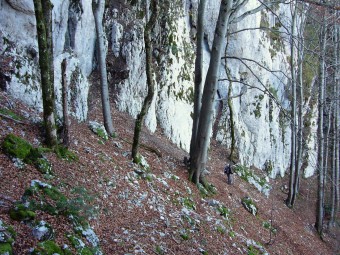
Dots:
pixel 260 98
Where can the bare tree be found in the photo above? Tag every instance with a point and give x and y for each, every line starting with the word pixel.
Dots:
pixel 98 7
pixel 292 168
pixel 198 73
pixel 200 150
pixel 43 15
pixel 320 157
pixel 150 82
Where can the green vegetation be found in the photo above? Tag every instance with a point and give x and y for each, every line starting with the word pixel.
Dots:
pixel 247 175
pixel 6 249
pixel 185 235
pixel 10 114
pixel 21 213
pixel 224 211
pixel 249 205
pixel 19 148
pixel 188 203
pixel 47 248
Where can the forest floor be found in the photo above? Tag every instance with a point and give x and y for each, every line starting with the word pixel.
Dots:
pixel 134 211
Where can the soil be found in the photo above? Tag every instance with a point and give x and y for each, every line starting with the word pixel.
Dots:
pixel 160 215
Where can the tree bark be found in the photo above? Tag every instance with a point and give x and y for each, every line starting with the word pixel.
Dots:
pixel 198 73
pixel 150 82
pixel 65 133
pixel 43 15
pixel 320 159
pixel 200 153
pixel 292 169
pixel 98 7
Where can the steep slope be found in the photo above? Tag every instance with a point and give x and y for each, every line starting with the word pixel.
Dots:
pixel 155 211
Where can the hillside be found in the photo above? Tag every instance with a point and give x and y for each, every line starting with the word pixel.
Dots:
pixel 135 211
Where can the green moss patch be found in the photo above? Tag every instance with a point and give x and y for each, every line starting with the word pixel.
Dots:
pixel 7 237
pixel 47 248
pixel 6 249
pixel 21 213
pixel 10 114
pixel 16 147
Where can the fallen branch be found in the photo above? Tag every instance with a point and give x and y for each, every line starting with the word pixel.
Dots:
pixel 10 118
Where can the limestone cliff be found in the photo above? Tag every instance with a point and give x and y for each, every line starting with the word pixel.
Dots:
pixel 262 131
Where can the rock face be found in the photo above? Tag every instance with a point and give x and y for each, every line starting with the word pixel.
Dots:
pixel 262 132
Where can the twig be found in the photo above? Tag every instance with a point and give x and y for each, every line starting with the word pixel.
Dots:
pixel 10 118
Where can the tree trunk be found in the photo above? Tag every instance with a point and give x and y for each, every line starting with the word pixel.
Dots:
pixel 300 113
pixel 65 133
pixel 292 169
pixel 150 82
pixel 337 128
pixel 98 7
pixel 199 159
pixel 198 73
pixel 320 159
pixel 43 14
pixel 335 123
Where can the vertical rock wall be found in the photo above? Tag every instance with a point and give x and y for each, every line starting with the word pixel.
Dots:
pixel 261 128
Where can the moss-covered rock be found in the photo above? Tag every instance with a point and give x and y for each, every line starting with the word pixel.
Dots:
pixel 16 147
pixel 249 205
pixel 7 236
pixel 47 248
pixel 21 213
pixel 43 165
pixel 99 130
pixel 38 195
pixel 7 233
pixel 6 249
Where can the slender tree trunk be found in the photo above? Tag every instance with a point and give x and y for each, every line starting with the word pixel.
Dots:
pixel 65 133
pixel 43 14
pixel 199 158
pixel 98 7
pixel 231 118
pixel 300 113
pixel 337 121
pixel 335 124
pixel 320 156
pixel 291 194
pixel 151 85
pixel 198 73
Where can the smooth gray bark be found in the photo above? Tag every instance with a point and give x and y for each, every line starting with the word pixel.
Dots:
pixel 198 73
pixel 320 134
pixel 292 169
pixel 98 7
pixel 200 153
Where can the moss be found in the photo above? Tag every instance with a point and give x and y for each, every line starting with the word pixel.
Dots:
pixel 249 205
pixel 10 114
pixel 21 213
pixel 5 249
pixel 16 147
pixel 47 248
pixel 44 166
pixel 65 153
pixel 79 245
